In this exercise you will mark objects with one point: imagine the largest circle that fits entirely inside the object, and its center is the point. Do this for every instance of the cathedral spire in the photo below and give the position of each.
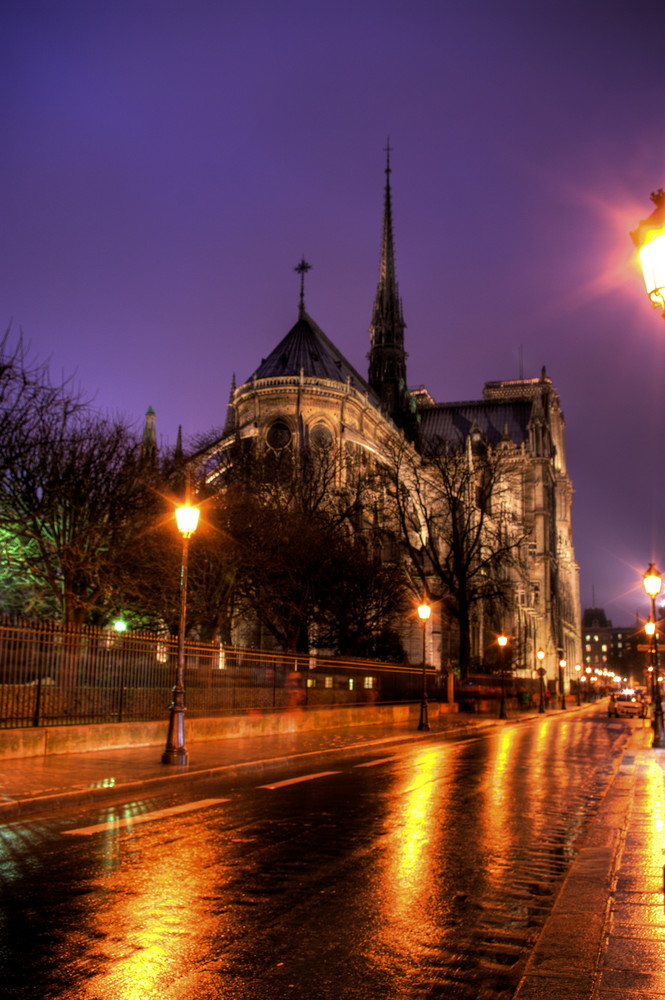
(148, 450)
(387, 358)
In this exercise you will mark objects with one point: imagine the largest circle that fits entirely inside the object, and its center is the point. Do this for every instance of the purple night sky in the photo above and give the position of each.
(166, 164)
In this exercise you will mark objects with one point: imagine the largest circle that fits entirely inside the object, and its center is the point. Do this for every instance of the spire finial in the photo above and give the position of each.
(302, 269)
(388, 151)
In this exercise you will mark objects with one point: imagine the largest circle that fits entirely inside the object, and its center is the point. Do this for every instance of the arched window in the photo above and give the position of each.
(278, 436)
(320, 436)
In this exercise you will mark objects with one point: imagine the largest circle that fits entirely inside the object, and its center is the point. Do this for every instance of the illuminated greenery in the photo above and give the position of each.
(71, 494)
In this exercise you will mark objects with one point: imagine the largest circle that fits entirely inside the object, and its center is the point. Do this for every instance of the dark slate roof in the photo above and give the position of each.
(306, 348)
(451, 423)
(595, 617)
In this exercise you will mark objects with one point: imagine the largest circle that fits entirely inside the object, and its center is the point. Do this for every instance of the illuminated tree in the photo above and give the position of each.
(72, 496)
(458, 521)
(72, 493)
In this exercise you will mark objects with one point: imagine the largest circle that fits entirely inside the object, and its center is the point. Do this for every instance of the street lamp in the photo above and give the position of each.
(187, 518)
(423, 613)
(652, 584)
(650, 629)
(577, 672)
(541, 674)
(562, 667)
(503, 642)
(649, 237)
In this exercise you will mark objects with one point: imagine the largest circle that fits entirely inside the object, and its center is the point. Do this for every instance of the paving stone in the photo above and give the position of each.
(637, 915)
(624, 954)
(558, 987)
(569, 943)
(632, 984)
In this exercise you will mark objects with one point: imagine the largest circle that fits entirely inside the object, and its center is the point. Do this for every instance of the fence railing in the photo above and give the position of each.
(52, 675)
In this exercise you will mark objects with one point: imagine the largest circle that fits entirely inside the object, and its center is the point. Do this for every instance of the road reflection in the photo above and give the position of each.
(416, 817)
(151, 917)
(408, 916)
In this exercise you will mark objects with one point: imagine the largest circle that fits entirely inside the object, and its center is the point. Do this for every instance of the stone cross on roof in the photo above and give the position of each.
(302, 269)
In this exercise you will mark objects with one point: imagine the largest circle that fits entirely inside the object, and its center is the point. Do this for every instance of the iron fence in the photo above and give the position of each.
(52, 675)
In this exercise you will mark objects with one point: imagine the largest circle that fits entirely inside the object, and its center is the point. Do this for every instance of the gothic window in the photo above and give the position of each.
(320, 436)
(278, 436)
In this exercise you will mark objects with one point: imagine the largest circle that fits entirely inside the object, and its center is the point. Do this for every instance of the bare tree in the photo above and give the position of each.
(458, 521)
(72, 494)
(297, 523)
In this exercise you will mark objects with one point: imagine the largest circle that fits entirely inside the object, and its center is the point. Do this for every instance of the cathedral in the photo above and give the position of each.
(306, 392)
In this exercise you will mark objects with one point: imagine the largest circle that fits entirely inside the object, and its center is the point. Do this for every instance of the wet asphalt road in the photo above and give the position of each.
(423, 871)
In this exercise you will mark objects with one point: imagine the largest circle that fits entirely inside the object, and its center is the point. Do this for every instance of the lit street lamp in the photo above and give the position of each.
(650, 629)
(541, 675)
(649, 237)
(423, 613)
(503, 642)
(187, 518)
(577, 672)
(652, 584)
(562, 667)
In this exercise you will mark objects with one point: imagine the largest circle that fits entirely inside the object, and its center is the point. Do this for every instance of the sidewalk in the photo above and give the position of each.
(605, 937)
(34, 785)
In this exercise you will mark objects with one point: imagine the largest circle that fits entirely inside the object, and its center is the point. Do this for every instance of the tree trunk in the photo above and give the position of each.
(464, 644)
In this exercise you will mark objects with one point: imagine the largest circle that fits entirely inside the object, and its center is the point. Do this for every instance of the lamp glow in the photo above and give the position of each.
(187, 518)
(652, 259)
(649, 237)
(653, 581)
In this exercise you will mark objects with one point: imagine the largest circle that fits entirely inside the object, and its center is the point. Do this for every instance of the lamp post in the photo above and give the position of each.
(187, 518)
(577, 674)
(562, 667)
(503, 642)
(541, 675)
(423, 613)
(649, 237)
(650, 629)
(652, 584)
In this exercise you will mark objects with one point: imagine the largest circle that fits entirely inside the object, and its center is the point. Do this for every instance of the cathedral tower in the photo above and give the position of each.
(387, 357)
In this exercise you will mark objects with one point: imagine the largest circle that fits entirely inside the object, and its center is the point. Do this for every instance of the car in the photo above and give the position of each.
(627, 704)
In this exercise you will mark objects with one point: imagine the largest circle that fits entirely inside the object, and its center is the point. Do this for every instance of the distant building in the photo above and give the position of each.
(610, 648)
(597, 635)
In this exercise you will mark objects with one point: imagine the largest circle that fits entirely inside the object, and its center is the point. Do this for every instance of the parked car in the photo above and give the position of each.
(627, 704)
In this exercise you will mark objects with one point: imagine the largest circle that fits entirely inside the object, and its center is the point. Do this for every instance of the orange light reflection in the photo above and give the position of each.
(154, 916)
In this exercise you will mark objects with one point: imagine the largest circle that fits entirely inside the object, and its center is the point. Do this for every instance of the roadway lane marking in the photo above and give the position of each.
(295, 781)
(115, 824)
(375, 763)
